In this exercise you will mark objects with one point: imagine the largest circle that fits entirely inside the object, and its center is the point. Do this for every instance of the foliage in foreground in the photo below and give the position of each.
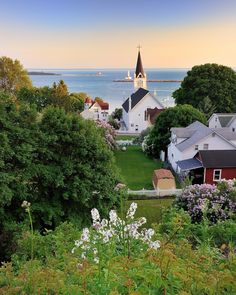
(174, 268)
(58, 162)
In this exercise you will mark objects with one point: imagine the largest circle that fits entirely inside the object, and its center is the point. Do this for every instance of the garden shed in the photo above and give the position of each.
(163, 179)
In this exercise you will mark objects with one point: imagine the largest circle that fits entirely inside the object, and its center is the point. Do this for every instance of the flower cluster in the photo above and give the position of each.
(109, 133)
(122, 236)
(26, 205)
(213, 201)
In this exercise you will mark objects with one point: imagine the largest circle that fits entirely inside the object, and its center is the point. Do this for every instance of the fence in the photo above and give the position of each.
(156, 193)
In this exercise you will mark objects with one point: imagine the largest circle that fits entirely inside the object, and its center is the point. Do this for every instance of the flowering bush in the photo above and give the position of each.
(216, 202)
(109, 238)
(109, 133)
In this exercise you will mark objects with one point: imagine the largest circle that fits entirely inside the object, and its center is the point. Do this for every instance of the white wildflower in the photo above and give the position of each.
(25, 204)
(154, 245)
(131, 211)
(113, 217)
(96, 260)
(104, 222)
(83, 255)
(85, 235)
(95, 216)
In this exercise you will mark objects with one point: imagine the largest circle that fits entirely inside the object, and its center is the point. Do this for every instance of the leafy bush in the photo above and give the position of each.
(216, 202)
(174, 268)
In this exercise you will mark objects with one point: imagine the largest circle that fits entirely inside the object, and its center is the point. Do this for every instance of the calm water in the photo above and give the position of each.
(113, 92)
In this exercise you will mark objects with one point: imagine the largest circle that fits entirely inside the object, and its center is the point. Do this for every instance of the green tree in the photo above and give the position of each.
(12, 75)
(59, 162)
(117, 114)
(77, 101)
(41, 97)
(216, 82)
(178, 116)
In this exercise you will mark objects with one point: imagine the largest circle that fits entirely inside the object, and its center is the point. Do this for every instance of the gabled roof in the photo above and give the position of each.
(135, 98)
(196, 132)
(139, 67)
(224, 118)
(103, 105)
(163, 173)
(218, 159)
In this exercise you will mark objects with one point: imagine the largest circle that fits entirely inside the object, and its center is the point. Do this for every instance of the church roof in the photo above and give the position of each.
(135, 98)
(139, 67)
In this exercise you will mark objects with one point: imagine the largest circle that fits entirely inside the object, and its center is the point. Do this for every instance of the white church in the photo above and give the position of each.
(140, 109)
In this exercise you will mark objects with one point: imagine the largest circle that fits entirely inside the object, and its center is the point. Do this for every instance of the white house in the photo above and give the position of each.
(221, 120)
(135, 110)
(186, 142)
(95, 110)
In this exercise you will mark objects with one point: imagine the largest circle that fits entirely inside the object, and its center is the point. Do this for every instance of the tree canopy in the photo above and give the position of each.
(178, 116)
(209, 88)
(58, 162)
(12, 75)
(57, 95)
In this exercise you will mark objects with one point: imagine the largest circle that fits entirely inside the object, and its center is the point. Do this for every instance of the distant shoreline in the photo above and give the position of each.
(42, 74)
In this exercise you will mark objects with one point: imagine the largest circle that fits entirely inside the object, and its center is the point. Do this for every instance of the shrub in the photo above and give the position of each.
(215, 202)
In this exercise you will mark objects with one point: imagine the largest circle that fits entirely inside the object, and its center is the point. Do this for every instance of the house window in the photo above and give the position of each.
(145, 115)
(233, 129)
(205, 146)
(196, 147)
(216, 119)
(217, 175)
(132, 125)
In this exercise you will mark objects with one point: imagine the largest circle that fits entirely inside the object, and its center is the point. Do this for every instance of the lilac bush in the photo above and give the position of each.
(216, 202)
(109, 133)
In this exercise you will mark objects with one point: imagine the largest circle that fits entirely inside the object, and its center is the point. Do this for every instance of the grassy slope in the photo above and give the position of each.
(151, 209)
(136, 167)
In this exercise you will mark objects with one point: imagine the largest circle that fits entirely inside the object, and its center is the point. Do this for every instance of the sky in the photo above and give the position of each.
(105, 33)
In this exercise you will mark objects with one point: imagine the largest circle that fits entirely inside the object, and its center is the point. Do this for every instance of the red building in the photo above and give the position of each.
(217, 165)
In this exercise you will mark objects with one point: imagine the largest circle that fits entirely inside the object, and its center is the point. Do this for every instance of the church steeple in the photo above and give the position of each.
(139, 72)
(140, 78)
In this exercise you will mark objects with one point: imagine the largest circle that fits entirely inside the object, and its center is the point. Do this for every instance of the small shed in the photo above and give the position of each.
(163, 179)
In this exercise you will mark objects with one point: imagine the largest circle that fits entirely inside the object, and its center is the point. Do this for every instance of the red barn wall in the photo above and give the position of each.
(227, 173)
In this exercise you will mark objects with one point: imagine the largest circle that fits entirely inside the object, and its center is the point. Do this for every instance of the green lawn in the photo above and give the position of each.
(136, 167)
(151, 209)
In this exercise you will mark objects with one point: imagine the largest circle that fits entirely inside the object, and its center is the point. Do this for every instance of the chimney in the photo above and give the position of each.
(129, 103)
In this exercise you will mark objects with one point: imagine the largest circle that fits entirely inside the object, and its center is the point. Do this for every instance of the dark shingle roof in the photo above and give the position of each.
(135, 98)
(189, 164)
(139, 67)
(218, 159)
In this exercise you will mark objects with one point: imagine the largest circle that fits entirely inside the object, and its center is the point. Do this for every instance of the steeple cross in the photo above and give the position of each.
(139, 47)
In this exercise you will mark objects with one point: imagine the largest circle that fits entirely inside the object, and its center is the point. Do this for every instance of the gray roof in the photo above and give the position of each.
(182, 132)
(226, 132)
(218, 158)
(189, 164)
(198, 131)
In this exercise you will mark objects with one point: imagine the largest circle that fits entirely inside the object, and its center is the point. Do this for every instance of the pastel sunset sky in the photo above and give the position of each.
(105, 33)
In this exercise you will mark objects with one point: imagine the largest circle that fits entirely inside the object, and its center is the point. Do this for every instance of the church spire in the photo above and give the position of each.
(140, 78)
(139, 72)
